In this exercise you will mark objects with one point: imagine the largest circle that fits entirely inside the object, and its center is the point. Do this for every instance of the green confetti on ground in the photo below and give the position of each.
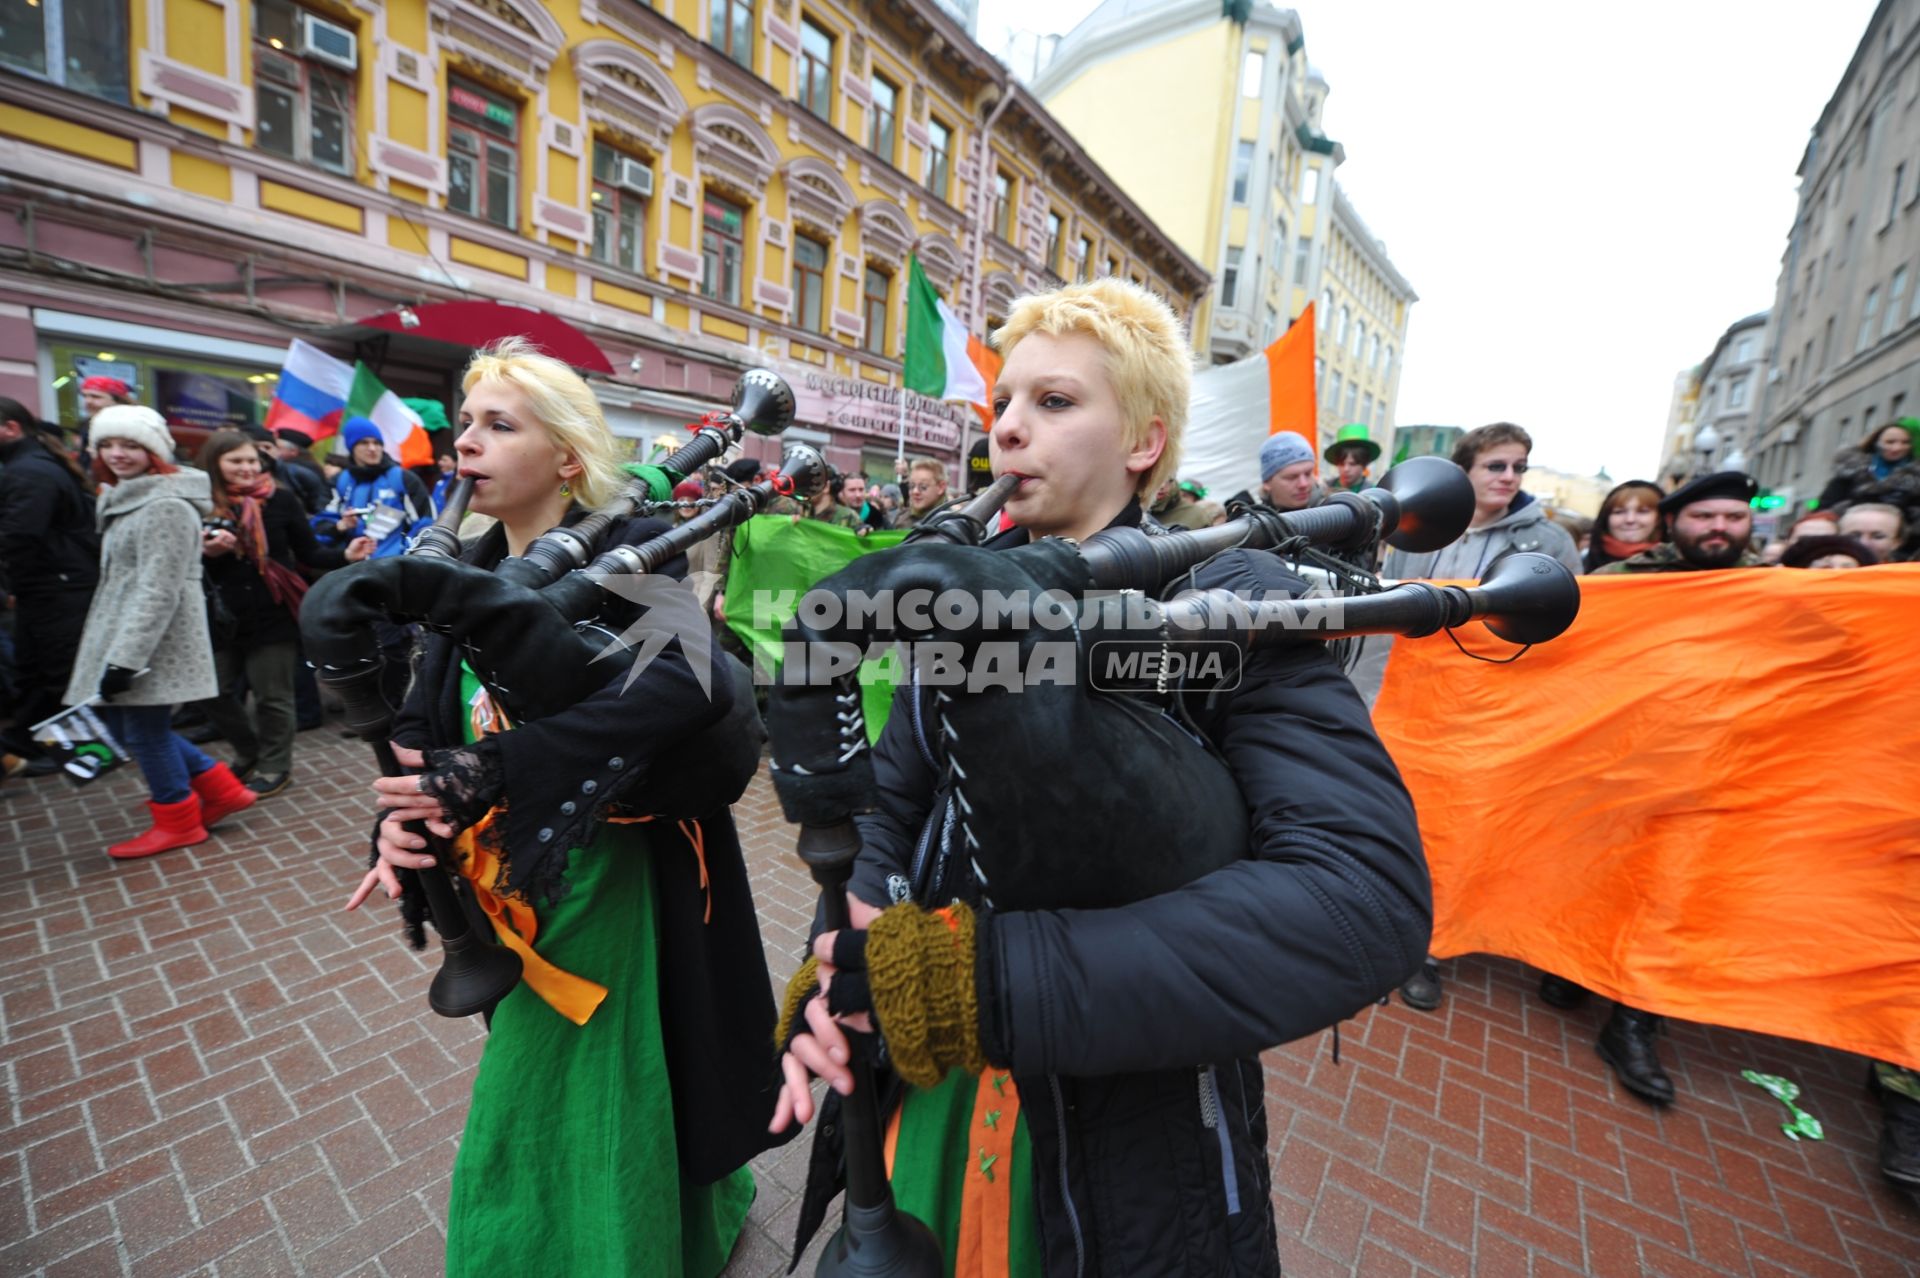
(1787, 1092)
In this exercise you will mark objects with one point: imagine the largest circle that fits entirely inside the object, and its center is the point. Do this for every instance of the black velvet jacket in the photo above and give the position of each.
(650, 748)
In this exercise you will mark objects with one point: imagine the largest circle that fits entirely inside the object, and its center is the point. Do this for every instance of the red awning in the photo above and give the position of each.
(474, 324)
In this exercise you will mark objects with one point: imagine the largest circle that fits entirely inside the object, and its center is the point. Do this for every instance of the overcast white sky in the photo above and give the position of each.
(1583, 196)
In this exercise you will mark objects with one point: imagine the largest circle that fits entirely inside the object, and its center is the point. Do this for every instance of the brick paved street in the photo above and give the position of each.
(210, 1068)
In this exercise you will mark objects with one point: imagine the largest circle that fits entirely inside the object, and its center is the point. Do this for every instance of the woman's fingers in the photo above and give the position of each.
(796, 1096)
(408, 758)
(381, 876)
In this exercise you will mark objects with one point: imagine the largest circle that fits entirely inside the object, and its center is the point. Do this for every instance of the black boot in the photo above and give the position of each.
(1899, 1135)
(1422, 990)
(1558, 991)
(1626, 1043)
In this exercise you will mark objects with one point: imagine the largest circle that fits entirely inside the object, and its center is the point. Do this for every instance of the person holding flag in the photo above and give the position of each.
(377, 494)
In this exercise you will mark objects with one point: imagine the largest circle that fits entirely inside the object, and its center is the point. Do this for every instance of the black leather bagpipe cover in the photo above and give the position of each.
(1075, 798)
(533, 660)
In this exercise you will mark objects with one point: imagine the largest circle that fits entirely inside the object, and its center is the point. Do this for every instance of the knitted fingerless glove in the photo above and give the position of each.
(800, 991)
(920, 972)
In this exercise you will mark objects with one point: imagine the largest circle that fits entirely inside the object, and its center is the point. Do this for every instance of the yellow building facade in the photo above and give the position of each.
(699, 186)
(1215, 126)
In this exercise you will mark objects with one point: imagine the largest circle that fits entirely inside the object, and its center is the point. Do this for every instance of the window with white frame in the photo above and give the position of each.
(483, 144)
(939, 148)
(810, 283)
(303, 86)
(1737, 393)
(723, 227)
(1743, 351)
(80, 44)
(1242, 170)
(874, 289)
(1302, 260)
(880, 117)
(1229, 277)
(1896, 293)
(1326, 307)
(620, 183)
(816, 68)
(1867, 317)
(1253, 73)
(730, 29)
(1309, 185)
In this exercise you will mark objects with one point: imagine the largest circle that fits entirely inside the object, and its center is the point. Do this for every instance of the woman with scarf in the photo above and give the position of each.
(145, 648)
(256, 536)
(628, 1078)
(1628, 523)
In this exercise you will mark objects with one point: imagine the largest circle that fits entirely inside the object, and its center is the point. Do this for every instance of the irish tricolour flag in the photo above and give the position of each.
(943, 360)
(317, 392)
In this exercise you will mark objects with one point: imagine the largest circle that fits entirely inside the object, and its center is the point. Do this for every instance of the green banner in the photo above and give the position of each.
(776, 560)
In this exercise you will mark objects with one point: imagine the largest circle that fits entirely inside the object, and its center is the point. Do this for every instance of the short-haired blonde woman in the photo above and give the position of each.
(145, 647)
(627, 1079)
(1086, 1093)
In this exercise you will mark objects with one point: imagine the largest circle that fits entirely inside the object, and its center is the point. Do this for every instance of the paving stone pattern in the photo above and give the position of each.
(209, 1068)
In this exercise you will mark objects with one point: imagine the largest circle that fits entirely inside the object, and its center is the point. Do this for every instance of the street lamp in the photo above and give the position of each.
(1705, 440)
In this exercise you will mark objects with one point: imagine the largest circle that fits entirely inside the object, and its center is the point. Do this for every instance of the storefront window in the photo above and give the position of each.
(196, 397)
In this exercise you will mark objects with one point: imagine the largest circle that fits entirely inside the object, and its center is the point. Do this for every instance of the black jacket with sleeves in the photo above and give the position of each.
(258, 617)
(627, 746)
(48, 543)
(1133, 1033)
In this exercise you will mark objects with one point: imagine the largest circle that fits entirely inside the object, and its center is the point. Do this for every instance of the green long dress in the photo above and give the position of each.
(568, 1164)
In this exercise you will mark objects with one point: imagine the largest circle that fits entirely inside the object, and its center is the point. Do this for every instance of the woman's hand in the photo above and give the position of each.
(359, 548)
(395, 845)
(218, 541)
(824, 1051)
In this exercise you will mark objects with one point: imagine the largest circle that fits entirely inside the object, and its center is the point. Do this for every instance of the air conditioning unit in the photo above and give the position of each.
(633, 175)
(329, 42)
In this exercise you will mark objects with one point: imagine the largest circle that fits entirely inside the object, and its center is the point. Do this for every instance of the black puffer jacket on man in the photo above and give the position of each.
(1133, 1033)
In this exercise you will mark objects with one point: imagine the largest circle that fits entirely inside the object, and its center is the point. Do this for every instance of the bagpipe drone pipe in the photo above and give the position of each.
(536, 656)
(1001, 732)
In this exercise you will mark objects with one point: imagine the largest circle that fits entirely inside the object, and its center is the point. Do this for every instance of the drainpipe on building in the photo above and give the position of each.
(978, 305)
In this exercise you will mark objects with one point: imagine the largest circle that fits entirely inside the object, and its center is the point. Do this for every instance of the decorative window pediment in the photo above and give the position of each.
(626, 91)
(730, 144)
(999, 290)
(816, 195)
(886, 232)
(518, 39)
(939, 258)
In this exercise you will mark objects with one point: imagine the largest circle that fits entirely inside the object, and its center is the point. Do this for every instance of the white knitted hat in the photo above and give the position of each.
(134, 422)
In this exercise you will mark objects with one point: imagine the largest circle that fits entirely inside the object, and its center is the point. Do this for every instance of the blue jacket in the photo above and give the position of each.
(393, 488)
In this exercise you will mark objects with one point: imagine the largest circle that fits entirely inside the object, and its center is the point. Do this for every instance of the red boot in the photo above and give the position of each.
(221, 794)
(175, 825)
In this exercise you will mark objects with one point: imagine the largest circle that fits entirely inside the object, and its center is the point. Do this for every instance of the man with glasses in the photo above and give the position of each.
(926, 492)
(1505, 521)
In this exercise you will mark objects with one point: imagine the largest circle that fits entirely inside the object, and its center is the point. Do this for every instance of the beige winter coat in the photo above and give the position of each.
(149, 612)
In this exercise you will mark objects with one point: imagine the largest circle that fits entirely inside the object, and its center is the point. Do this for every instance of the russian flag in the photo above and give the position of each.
(312, 395)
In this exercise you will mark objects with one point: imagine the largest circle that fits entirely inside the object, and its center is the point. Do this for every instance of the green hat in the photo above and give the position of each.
(433, 414)
(1352, 433)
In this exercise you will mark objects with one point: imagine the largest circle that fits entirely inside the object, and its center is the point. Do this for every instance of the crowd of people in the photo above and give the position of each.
(1865, 516)
(142, 585)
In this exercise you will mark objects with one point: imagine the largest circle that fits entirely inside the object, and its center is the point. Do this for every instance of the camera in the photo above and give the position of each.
(212, 525)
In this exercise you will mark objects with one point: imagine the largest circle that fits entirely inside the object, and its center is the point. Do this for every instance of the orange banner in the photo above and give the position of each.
(1290, 402)
(1702, 800)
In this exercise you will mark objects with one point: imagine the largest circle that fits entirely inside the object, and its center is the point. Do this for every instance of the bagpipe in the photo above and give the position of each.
(1006, 666)
(527, 628)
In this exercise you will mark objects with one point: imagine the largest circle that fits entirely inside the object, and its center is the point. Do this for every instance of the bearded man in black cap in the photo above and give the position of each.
(1710, 522)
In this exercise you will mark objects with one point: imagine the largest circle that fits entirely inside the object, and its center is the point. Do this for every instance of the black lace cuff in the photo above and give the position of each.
(467, 782)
